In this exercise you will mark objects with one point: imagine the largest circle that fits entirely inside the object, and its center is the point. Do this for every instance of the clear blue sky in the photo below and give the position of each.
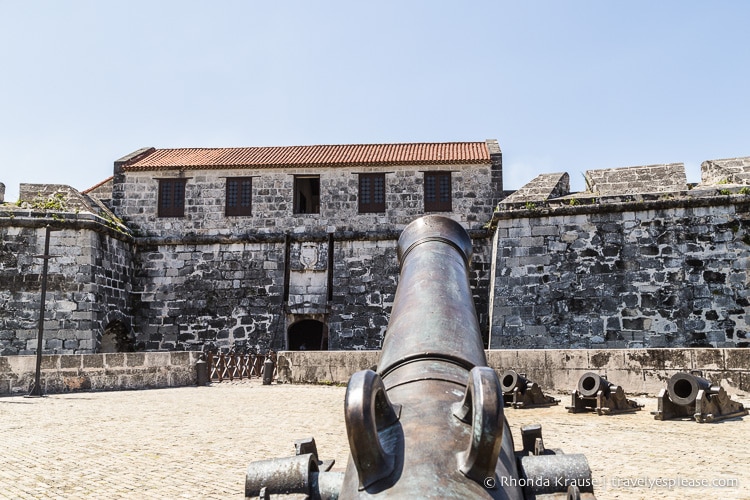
(565, 86)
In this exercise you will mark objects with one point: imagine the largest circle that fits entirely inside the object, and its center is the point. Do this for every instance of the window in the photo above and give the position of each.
(172, 197)
(239, 196)
(371, 193)
(306, 194)
(437, 192)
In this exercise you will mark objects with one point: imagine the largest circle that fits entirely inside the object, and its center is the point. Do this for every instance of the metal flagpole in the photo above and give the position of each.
(36, 389)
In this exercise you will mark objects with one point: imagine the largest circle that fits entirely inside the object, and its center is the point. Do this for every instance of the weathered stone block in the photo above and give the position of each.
(658, 359)
(179, 358)
(709, 359)
(737, 359)
(502, 359)
(114, 360)
(68, 362)
(135, 359)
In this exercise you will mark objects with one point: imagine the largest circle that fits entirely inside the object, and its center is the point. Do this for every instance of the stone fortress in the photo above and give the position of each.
(294, 248)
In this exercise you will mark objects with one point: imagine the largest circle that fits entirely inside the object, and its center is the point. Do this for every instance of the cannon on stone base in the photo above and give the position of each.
(595, 393)
(520, 392)
(691, 395)
(430, 422)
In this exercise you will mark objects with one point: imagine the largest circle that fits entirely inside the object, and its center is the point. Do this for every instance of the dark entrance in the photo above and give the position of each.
(116, 338)
(308, 335)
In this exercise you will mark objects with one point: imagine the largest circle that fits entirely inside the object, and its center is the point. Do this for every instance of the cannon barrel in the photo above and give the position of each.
(512, 380)
(433, 315)
(430, 422)
(433, 388)
(590, 383)
(683, 387)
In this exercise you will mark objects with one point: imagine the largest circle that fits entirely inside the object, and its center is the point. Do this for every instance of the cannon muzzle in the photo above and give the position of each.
(512, 380)
(683, 388)
(590, 384)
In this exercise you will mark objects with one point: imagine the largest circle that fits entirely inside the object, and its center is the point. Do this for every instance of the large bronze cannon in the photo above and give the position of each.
(429, 423)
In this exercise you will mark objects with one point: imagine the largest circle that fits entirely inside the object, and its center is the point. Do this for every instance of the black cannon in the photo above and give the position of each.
(595, 393)
(429, 423)
(691, 395)
(520, 392)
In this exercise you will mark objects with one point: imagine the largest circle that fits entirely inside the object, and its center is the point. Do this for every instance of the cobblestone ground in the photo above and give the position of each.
(197, 442)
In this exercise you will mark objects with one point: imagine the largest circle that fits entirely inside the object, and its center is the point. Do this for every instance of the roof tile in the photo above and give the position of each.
(327, 155)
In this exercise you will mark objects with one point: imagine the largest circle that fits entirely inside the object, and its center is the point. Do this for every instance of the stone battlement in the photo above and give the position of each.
(649, 182)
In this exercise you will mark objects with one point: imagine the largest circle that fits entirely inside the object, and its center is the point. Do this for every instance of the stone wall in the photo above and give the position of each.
(88, 283)
(727, 171)
(641, 259)
(638, 371)
(365, 276)
(480, 280)
(108, 291)
(245, 294)
(135, 200)
(629, 276)
(632, 269)
(98, 372)
(221, 294)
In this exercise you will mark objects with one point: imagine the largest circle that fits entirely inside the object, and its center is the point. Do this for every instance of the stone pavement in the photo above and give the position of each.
(196, 442)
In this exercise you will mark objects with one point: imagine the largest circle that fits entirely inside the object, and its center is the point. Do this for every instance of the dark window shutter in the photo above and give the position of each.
(371, 193)
(437, 192)
(239, 199)
(171, 198)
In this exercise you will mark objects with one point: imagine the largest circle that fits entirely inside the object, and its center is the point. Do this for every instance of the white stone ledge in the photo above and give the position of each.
(638, 371)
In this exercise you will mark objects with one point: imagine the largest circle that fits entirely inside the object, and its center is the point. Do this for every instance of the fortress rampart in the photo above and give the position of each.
(640, 259)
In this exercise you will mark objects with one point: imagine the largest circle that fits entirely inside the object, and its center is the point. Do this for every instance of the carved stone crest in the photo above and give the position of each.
(308, 255)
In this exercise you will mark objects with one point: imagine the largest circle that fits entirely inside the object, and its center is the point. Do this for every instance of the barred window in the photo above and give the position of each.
(437, 192)
(371, 193)
(171, 197)
(239, 199)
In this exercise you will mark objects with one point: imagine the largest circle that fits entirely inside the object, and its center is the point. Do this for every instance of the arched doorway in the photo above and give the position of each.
(116, 338)
(307, 335)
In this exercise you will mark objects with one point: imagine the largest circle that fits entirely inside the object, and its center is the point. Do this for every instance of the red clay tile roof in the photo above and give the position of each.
(329, 156)
(108, 179)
